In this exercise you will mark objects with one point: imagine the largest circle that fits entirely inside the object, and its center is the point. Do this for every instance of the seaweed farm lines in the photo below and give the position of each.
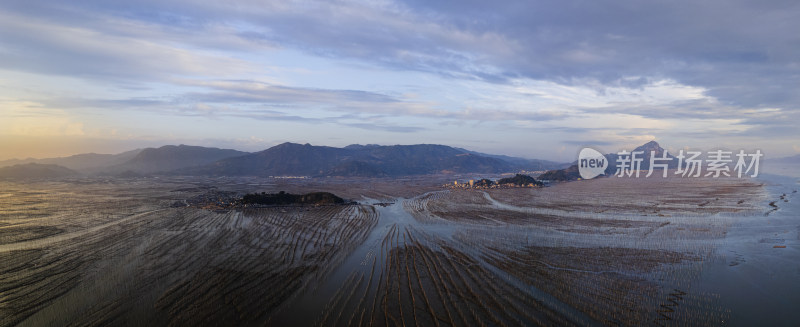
(165, 266)
(640, 252)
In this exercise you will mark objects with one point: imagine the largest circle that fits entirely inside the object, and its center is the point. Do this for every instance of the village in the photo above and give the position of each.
(518, 181)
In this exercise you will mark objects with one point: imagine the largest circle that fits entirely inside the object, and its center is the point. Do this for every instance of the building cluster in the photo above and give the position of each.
(483, 184)
(470, 184)
(213, 200)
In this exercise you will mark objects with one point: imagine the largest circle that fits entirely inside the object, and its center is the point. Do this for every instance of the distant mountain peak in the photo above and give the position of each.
(652, 145)
(359, 146)
(649, 151)
(171, 157)
(288, 145)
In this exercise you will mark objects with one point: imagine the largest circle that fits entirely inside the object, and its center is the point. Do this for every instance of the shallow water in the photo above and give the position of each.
(758, 283)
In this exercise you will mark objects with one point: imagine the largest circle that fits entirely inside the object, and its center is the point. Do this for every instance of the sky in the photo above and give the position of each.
(534, 79)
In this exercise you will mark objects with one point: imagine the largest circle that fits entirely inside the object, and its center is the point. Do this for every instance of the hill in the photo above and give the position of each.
(522, 163)
(650, 148)
(171, 157)
(519, 180)
(86, 162)
(35, 170)
(567, 174)
(283, 198)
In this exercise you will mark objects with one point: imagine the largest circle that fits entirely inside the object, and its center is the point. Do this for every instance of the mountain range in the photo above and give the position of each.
(362, 160)
(291, 159)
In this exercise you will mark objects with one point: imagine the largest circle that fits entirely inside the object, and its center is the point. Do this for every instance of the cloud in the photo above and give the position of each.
(259, 92)
(263, 100)
(387, 128)
(586, 142)
(740, 58)
(39, 45)
(34, 119)
(714, 68)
